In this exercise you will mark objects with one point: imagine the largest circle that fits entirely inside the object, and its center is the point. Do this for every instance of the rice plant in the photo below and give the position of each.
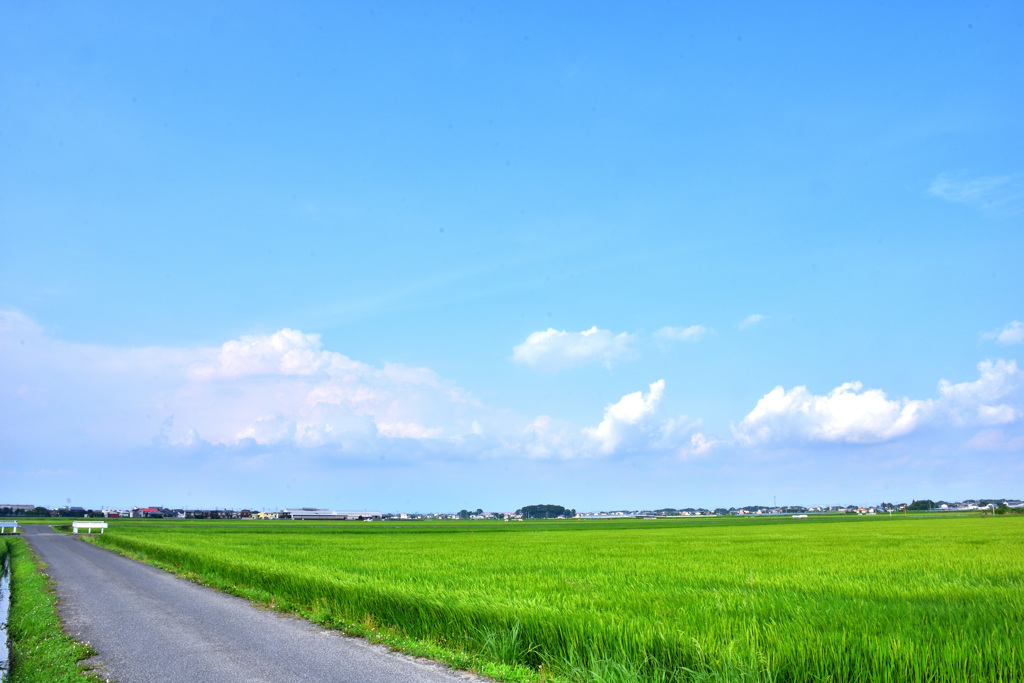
(831, 599)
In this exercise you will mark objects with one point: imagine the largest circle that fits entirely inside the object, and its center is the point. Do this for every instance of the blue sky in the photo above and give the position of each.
(486, 255)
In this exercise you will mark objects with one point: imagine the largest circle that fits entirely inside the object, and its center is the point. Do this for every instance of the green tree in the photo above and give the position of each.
(545, 511)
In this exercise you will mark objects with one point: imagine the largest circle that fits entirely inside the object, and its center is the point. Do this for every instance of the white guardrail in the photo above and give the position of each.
(75, 526)
(4, 526)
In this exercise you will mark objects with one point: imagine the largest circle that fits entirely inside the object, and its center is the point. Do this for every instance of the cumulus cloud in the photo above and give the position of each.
(691, 333)
(978, 402)
(269, 429)
(554, 349)
(850, 414)
(286, 388)
(407, 430)
(626, 417)
(280, 389)
(287, 352)
(846, 414)
(1013, 333)
(1001, 194)
(284, 392)
(752, 320)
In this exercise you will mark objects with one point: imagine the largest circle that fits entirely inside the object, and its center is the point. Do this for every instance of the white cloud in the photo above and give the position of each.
(269, 429)
(849, 414)
(1013, 333)
(546, 437)
(626, 417)
(316, 397)
(554, 349)
(974, 403)
(845, 415)
(285, 392)
(630, 424)
(673, 431)
(691, 333)
(1002, 194)
(287, 352)
(276, 389)
(407, 430)
(752, 320)
(699, 445)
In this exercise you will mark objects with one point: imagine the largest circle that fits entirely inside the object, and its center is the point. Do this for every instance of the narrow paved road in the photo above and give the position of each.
(148, 625)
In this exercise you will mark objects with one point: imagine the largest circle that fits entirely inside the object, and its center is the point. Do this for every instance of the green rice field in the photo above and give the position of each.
(820, 599)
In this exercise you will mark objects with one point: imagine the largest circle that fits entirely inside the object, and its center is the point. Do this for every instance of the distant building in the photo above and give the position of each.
(17, 507)
(324, 514)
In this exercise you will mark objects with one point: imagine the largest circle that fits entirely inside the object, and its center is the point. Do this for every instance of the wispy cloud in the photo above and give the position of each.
(1001, 194)
(554, 349)
(700, 445)
(752, 320)
(995, 440)
(692, 333)
(1013, 333)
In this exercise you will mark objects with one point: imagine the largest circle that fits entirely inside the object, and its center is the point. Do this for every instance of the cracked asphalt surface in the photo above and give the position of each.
(147, 625)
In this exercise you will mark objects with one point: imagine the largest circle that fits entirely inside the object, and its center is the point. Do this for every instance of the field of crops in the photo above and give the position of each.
(831, 599)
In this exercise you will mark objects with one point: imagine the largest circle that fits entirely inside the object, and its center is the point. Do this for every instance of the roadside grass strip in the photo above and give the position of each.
(40, 652)
(761, 601)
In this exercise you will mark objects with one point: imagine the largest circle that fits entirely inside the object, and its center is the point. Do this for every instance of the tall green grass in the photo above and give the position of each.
(899, 599)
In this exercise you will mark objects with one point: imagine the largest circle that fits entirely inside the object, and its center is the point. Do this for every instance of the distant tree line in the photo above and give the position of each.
(545, 512)
(35, 512)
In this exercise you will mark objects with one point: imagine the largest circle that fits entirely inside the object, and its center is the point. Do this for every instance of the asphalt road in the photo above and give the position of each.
(148, 626)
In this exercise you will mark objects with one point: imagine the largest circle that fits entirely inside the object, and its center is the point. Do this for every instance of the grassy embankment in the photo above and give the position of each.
(831, 599)
(39, 650)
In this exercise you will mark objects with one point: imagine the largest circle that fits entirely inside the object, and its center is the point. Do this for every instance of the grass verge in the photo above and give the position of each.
(40, 652)
(807, 601)
(492, 651)
(368, 629)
